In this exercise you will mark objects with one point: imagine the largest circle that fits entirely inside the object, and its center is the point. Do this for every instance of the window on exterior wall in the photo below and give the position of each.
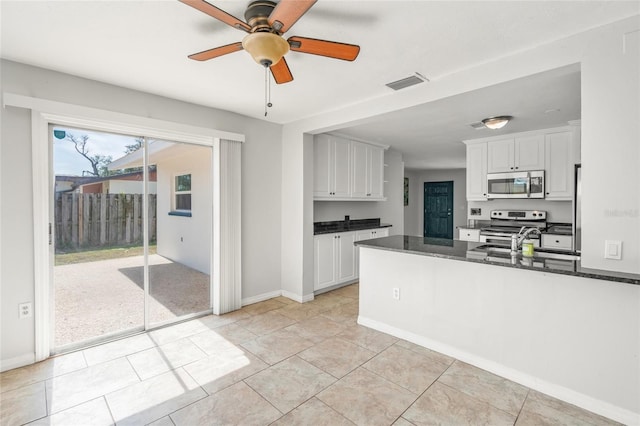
(182, 195)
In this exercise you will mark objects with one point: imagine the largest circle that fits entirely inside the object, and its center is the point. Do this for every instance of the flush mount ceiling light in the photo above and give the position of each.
(498, 122)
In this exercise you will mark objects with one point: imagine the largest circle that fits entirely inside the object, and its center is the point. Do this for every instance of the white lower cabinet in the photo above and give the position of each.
(334, 259)
(372, 233)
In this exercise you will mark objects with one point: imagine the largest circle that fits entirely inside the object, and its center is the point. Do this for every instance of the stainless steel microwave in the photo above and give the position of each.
(516, 184)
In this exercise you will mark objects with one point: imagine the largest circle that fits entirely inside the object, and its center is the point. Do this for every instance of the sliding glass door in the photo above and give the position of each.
(131, 234)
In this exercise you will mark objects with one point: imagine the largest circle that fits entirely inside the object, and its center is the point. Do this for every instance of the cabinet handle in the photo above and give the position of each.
(558, 241)
(516, 168)
(511, 168)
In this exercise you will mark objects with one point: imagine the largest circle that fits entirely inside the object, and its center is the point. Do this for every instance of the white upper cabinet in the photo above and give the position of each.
(367, 171)
(558, 170)
(332, 161)
(376, 189)
(500, 155)
(360, 170)
(347, 170)
(529, 153)
(477, 171)
(516, 154)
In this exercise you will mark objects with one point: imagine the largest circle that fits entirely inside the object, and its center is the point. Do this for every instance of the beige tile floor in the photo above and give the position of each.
(276, 362)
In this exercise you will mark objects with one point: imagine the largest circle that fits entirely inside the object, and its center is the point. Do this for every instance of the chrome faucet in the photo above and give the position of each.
(517, 239)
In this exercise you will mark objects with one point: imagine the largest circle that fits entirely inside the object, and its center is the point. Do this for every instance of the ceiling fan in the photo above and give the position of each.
(266, 21)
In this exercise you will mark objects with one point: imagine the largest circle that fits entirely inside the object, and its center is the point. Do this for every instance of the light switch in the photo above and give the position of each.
(613, 249)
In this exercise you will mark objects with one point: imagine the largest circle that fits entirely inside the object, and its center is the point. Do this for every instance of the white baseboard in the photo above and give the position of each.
(266, 296)
(261, 297)
(297, 297)
(18, 361)
(565, 394)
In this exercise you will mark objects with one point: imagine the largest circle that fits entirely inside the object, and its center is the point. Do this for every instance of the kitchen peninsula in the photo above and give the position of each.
(570, 332)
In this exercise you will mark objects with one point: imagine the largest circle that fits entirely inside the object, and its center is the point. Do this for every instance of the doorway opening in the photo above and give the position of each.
(131, 235)
(438, 210)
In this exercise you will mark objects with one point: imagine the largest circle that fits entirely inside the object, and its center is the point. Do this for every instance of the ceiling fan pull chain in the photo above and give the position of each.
(267, 90)
(266, 85)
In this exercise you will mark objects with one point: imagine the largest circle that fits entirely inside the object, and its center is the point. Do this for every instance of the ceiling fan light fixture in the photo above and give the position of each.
(265, 48)
(498, 122)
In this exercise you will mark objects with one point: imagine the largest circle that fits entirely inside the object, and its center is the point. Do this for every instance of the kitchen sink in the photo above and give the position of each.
(537, 254)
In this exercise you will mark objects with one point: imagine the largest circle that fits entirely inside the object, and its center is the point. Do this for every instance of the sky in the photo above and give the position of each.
(66, 161)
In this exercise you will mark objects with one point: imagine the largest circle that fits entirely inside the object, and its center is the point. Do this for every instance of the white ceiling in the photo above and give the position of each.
(143, 45)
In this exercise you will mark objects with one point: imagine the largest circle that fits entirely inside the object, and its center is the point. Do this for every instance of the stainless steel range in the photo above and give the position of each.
(505, 223)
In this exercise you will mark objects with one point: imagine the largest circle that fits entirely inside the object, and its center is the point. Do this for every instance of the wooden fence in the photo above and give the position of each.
(95, 220)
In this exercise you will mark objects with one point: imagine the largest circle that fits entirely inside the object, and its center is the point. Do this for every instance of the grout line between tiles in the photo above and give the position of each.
(425, 391)
(113, 419)
(522, 406)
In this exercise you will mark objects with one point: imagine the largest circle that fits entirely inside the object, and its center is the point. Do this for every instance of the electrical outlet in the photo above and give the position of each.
(25, 310)
(396, 293)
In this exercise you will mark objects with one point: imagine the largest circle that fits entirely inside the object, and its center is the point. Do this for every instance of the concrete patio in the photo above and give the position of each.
(103, 297)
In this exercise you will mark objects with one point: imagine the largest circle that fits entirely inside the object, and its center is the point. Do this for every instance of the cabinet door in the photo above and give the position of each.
(322, 166)
(363, 235)
(529, 153)
(324, 260)
(359, 187)
(382, 232)
(341, 158)
(559, 167)
(376, 172)
(346, 257)
(500, 156)
(477, 172)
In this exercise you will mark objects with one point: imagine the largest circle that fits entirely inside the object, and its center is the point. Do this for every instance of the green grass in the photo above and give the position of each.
(101, 254)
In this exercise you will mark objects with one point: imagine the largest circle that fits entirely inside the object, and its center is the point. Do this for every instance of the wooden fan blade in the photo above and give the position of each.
(331, 49)
(281, 72)
(219, 14)
(287, 12)
(215, 52)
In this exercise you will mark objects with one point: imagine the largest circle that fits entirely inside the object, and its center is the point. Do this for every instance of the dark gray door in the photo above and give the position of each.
(438, 209)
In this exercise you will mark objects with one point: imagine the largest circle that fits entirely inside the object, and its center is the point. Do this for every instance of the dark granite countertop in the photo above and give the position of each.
(347, 226)
(464, 251)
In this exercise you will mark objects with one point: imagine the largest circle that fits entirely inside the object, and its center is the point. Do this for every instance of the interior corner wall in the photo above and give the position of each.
(293, 207)
(261, 184)
(610, 146)
(417, 179)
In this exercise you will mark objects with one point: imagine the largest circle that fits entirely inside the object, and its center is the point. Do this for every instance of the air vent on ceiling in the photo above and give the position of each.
(417, 78)
(477, 125)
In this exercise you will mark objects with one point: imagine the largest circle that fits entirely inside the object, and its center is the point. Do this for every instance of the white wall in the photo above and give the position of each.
(186, 240)
(389, 211)
(413, 213)
(16, 263)
(261, 184)
(611, 146)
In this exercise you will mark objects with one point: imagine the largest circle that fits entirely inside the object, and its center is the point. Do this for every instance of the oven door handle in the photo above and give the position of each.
(528, 185)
